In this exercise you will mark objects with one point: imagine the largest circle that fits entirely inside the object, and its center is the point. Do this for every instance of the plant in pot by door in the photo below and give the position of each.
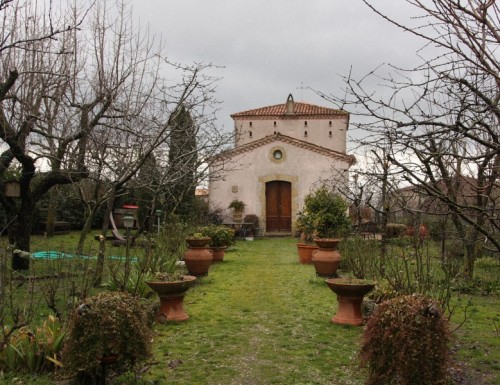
(238, 207)
(109, 328)
(221, 237)
(198, 257)
(350, 293)
(306, 246)
(327, 213)
(168, 278)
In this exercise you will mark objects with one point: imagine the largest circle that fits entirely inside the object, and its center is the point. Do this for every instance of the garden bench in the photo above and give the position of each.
(367, 230)
(60, 227)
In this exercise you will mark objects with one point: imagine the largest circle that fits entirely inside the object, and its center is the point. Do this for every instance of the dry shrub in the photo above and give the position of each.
(406, 343)
(108, 324)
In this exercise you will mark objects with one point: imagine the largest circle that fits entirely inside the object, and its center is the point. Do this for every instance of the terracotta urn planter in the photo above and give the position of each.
(305, 252)
(198, 258)
(326, 259)
(172, 298)
(198, 242)
(218, 253)
(350, 293)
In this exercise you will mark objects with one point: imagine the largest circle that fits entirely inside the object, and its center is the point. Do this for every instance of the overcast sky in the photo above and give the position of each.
(270, 48)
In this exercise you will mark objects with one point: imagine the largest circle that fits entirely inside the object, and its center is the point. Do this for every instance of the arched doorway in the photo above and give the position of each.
(278, 206)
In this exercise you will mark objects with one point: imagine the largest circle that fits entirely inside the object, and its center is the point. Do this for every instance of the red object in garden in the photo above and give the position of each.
(305, 252)
(218, 253)
(172, 298)
(198, 257)
(130, 207)
(350, 295)
(326, 259)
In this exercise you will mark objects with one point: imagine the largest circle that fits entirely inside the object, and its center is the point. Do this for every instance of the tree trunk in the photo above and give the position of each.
(51, 215)
(87, 227)
(102, 244)
(23, 235)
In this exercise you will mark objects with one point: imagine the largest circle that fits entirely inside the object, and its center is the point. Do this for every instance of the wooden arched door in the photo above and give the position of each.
(278, 206)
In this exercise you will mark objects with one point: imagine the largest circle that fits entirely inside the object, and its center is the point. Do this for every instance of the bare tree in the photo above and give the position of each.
(442, 116)
(34, 57)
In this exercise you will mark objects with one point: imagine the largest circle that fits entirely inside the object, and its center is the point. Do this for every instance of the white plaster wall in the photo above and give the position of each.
(318, 130)
(304, 167)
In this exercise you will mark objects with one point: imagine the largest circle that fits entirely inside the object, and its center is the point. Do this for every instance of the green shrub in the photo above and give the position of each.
(220, 235)
(359, 257)
(324, 214)
(108, 324)
(406, 343)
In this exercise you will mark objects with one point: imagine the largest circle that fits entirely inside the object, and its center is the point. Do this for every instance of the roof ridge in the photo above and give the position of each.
(300, 109)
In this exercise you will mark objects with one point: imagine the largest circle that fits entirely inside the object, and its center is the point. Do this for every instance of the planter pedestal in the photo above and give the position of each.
(349, 298)
(172, 298)
(326, 259)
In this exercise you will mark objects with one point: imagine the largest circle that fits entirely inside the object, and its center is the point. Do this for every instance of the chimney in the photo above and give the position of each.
(290, 106)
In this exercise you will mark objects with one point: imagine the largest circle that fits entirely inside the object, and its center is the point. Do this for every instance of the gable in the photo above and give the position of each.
(279, 138)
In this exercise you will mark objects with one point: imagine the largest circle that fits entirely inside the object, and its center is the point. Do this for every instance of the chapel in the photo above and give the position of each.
(281, 153)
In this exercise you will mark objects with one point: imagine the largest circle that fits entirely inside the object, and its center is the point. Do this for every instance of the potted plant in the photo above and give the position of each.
(350, 293)
(167, 277)
(306, 246)
(220, 238)
(198, 257)
(238, 207)
(197, 240)
(111, 327)
(326, 214)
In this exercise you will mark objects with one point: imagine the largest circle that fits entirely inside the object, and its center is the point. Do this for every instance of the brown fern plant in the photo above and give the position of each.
(110, 324)
(406, 343)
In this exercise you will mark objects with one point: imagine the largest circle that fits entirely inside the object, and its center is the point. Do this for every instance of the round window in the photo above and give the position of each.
(277, 154)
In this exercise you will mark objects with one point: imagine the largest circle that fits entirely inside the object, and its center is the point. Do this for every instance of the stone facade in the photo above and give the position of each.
(296, 144)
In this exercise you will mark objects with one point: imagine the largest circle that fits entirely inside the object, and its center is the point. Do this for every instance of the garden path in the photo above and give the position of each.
(259, 317)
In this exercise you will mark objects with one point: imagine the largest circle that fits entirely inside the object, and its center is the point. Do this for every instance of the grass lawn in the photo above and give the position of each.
(260, 317)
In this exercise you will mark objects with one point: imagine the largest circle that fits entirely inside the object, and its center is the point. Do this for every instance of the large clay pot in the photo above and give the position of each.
(350, 295)
(305, 252)
(326, 259)
(172, 298)
(218, 253)
(198, 260)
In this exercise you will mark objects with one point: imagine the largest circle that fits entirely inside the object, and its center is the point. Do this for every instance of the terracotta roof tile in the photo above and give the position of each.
(301, 109)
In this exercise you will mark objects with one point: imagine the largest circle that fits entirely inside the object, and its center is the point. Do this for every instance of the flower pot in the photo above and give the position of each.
(305, 252)
(350, 295)
(197, 242)
(172, 298)
(326, 259)
(198, 260)
(218, 253)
